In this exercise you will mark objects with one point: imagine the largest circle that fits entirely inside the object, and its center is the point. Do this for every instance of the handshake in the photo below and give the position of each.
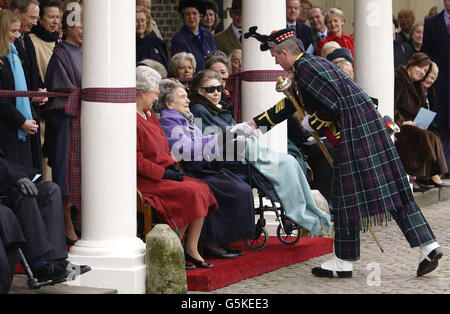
(243, 129)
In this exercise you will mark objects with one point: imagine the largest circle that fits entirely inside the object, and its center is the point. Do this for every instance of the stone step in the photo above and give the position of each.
(19, 286)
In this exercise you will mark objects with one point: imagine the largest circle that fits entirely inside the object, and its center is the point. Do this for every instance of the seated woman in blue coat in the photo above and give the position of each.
(234, 221)
(192, 37)
(282, 170)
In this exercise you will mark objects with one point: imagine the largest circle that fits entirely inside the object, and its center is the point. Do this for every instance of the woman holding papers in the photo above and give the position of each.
(420, 150)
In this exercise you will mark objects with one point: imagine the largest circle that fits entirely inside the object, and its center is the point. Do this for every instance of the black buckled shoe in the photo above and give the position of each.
(210, 253)
(324, 273)
(430, 262)
(197, 263)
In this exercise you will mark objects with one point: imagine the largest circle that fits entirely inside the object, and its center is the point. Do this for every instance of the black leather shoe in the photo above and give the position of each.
(430, 262)
(197, 263)
(233, 251)
(209, 253)
(420, 189)
(189, 266)
(324, 273)
(55, 272)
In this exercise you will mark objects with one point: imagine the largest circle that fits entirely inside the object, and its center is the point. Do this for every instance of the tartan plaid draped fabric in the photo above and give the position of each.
(370, 180)
(233, 84)
(73, 105)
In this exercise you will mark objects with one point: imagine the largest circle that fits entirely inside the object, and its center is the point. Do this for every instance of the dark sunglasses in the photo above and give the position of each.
(211, 89)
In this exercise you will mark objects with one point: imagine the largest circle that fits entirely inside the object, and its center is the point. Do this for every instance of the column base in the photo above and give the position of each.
(116, 264)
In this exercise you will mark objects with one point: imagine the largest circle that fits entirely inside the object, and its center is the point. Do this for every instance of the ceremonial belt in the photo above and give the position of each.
(72, 109)
(233, 84)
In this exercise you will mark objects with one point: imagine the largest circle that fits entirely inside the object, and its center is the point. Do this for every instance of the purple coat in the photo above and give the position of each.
(186, 139)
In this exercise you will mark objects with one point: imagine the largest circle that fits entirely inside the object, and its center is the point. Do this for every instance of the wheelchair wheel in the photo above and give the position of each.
(290, 234)
(259, 241)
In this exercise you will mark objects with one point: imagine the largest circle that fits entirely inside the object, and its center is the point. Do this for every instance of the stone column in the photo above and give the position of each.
(108, 138)
(268, 15)
(374, 56)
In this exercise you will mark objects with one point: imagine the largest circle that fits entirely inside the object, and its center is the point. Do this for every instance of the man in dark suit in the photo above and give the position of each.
(319, 30)
(37, 206)
(28, 13)
(11, 238)
(436, 44)
(302, 31)
(406, 20)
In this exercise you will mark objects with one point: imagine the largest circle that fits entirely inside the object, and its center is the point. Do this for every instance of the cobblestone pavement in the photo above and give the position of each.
(396, 266)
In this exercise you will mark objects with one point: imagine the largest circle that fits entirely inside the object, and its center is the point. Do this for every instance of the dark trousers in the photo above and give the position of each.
(42, 221)
(11, 238)
(414, 226)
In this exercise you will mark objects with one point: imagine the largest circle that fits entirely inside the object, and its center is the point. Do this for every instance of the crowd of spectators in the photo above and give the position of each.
(40, 51)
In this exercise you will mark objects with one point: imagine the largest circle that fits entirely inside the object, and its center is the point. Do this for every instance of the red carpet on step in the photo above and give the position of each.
(254, 263)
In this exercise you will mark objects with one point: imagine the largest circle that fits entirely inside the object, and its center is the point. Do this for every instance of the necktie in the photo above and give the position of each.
(448, 25)
(22, 41)
(240, 35)
(322, 37)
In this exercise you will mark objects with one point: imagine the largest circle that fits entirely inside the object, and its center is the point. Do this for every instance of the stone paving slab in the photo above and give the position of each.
(396, 267)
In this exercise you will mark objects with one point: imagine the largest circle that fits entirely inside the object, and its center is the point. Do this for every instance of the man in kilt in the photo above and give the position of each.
(370, 185)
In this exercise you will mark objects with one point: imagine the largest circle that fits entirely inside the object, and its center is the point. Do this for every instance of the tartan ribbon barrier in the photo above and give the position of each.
(72, 109)
(233, 84)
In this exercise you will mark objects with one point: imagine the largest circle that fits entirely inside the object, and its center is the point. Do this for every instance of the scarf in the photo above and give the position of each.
(43, 34)
(199, 99)
(20, 84)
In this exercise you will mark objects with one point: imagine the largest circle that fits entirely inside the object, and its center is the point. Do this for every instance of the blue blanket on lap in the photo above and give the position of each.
(291, 186)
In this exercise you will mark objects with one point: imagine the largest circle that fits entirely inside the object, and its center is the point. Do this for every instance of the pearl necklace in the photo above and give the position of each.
(142, 115)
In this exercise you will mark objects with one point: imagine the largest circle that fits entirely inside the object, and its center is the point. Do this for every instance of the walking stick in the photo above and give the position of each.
(284, 86)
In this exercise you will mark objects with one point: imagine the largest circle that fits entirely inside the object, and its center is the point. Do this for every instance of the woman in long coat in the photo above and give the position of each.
(63, 128)
(418, 148)
(234, 221)
(182, 202)
(17, 115)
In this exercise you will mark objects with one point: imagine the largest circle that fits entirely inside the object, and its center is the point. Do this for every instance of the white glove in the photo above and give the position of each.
(243, 129)
(306, 125)
(240, 146)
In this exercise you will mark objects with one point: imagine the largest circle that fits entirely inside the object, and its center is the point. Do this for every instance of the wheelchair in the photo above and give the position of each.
(288, 232)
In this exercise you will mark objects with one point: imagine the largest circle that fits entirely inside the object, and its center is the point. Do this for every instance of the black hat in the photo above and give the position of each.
(198, 4)
(340, 53)
(236, 5)
(277, 37)
(211, 5)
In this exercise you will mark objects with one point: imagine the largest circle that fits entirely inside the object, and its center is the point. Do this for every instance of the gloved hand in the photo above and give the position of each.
(306, 125)
(173, 175)
(27, 187)
(243, 129)
(175, 168)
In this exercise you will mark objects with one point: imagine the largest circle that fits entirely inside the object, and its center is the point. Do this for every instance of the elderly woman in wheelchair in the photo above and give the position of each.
(234, 221)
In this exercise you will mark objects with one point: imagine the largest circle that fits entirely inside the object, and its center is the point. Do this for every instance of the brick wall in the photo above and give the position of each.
(165, 13)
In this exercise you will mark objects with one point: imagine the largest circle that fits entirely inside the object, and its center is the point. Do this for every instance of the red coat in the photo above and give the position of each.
(345, 41)
(182, 202)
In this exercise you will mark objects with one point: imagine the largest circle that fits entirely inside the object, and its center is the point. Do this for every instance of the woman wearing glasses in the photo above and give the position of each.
(282, 170)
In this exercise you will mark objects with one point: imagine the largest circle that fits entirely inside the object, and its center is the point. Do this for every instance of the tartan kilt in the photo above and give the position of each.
(370, 179)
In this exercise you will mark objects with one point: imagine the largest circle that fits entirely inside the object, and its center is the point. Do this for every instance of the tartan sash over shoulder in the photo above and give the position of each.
(370, 180)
